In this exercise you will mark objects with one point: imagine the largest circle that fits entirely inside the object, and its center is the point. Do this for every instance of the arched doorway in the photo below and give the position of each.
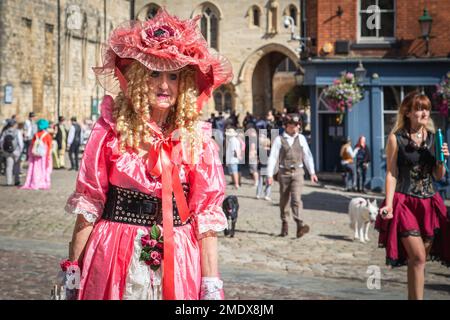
(256, 77)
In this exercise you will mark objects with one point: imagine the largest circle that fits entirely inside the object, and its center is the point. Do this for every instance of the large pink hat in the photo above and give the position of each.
(164, 43)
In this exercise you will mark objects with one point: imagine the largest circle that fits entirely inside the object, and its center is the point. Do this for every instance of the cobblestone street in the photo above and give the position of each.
(255, 264)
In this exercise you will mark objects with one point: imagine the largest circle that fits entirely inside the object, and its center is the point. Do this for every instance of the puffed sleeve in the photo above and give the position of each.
(207, 188)
(92, 182)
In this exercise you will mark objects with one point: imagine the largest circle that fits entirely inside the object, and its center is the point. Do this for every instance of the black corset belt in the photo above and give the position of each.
(137, 208)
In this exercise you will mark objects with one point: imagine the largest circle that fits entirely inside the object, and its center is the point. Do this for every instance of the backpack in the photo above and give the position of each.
(9, 141)
(39, 148)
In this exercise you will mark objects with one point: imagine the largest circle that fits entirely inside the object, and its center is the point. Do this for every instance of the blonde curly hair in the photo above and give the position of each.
(131, 118)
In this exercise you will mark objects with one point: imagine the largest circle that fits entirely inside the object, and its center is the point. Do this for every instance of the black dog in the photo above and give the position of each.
(231, 208)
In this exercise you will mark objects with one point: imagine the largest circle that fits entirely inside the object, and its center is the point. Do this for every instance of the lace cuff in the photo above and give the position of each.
(212, 219)
(211, 289)
(79, 203)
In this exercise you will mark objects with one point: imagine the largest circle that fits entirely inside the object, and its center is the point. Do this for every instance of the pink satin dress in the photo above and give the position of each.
(111, 268)
(39, 168)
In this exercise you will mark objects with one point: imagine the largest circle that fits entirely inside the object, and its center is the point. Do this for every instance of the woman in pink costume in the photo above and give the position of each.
(40, 166)
(150, 175)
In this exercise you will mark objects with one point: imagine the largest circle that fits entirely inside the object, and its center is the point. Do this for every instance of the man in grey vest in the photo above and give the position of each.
(291, 151)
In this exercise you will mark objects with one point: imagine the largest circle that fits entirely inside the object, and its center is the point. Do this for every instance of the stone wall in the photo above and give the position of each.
(29, 54)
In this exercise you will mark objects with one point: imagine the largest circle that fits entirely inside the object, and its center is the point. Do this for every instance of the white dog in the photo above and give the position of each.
(362, 212)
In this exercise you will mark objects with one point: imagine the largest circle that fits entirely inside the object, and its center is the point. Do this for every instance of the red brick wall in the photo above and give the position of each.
(326, 26)
(331, 27)
(311, 23)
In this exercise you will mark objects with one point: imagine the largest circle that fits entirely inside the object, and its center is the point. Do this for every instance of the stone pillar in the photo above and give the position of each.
(376, 114)
(314, 128)
(38, 92)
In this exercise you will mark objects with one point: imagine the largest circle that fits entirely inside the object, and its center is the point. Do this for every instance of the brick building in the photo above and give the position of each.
(394, 55)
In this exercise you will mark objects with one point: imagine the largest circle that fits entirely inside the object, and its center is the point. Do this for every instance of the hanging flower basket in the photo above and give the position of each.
(442, 95)
(343, 94)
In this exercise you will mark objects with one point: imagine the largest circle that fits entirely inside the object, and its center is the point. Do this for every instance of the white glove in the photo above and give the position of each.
(211, 288)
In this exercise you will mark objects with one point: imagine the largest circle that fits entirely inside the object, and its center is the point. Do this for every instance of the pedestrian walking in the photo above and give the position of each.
(40, 159)
(54, 153)
(292, 152)
(11, 144)
(263, 190)
(61, 140)
(347, 155)
(233, 155)
(253, 154)
(413, 223)
(137, 235)
(29, 130)
(362, 163)
(74, 142)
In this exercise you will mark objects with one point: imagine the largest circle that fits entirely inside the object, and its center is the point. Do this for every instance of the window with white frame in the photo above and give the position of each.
(376, 20)
(392, 98)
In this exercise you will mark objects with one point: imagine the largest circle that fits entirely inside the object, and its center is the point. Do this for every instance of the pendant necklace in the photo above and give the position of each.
(418, 134)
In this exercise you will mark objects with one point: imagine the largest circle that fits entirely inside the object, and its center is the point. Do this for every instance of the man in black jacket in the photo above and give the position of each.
(362, 163)
(74, 142)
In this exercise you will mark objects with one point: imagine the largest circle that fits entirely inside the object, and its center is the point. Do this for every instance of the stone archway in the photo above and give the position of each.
(256, 77)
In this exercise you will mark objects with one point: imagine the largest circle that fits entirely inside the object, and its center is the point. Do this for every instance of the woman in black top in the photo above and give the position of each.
(413, 219)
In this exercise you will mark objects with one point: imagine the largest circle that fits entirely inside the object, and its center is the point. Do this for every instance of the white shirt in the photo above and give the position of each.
(71, 135)
(29, 129)
(308, 159)
(233, 145)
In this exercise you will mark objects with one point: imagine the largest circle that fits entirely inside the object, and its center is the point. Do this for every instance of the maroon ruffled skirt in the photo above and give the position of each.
(415, 217)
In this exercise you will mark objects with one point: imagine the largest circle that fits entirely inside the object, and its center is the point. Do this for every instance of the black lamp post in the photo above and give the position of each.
(426, 22)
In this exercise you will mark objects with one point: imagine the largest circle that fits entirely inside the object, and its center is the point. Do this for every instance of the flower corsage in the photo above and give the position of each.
(66, 264)
(152, 248)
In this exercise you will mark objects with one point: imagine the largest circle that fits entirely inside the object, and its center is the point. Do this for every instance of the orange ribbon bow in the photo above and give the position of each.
(160, 164)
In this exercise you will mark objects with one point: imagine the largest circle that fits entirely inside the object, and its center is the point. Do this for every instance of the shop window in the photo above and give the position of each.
(392, 97)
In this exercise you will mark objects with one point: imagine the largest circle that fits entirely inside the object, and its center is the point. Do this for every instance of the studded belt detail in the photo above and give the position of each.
(137, 208)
